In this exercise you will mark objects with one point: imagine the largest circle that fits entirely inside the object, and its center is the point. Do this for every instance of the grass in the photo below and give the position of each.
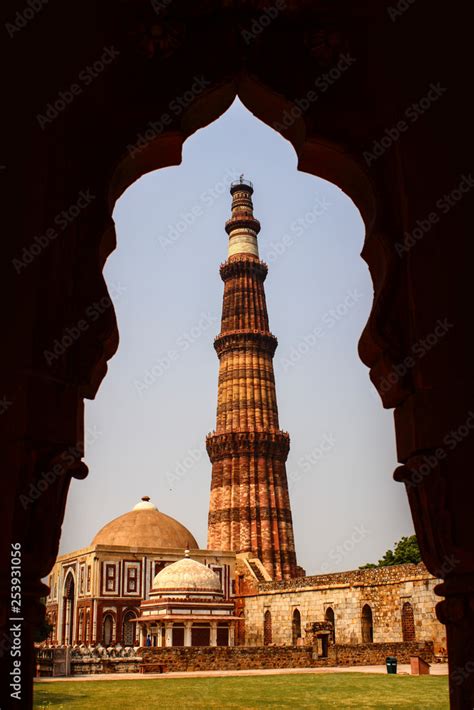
(331, 690)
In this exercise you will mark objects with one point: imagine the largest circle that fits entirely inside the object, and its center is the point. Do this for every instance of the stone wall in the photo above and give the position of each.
(369, 654)
(246, 658)
(385, 590)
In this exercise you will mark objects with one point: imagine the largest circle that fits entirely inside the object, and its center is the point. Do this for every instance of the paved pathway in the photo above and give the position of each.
(403, 669)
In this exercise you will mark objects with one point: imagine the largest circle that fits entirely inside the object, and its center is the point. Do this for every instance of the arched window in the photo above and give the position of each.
(408, 622)
(267, 628)
(296, 626)
(367, 625)
(80, 626)
(107, 626)
(128, 635)
(87, 637)
(329, 616)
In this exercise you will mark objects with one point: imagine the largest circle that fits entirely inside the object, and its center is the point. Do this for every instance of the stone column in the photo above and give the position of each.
(213, 641)
(169, 633)
(188, 633)
(159, 636)
(143, 634)
(231, 634)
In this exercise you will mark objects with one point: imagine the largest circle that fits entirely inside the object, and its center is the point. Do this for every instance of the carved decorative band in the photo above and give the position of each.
(245, 340)
(270, 444)
(241, 265)
(249, 222)
(233, 515)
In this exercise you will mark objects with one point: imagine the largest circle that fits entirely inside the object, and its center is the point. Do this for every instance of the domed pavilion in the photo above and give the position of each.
(187, 607)
(96, 592)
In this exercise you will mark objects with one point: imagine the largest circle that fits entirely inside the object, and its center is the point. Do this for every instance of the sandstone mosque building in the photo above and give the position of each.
(144, 580)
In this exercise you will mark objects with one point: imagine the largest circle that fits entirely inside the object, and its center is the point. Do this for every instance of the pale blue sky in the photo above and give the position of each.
(147, 426)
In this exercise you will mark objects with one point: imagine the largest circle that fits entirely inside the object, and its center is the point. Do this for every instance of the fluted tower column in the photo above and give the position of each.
(249, 504)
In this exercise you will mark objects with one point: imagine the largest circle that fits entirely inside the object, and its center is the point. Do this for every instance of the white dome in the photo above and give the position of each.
(187, 575)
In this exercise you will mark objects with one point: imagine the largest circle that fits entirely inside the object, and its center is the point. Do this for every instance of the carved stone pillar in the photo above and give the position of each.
(213, 641)
(188, 633)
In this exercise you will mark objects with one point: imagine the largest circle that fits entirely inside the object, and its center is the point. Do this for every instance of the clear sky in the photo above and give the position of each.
(147, 426)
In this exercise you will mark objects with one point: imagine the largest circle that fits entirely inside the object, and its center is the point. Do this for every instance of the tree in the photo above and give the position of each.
(44, 628)
(405, 551)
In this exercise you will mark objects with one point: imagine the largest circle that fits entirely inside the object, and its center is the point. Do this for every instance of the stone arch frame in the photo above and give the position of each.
(108, 627)
(295, 626)
(367, 624)
(408, 622)
(127, 615)
(440, 515)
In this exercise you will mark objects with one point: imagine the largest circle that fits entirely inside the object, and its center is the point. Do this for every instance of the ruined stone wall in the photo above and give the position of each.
(384, 589)
(246, 658)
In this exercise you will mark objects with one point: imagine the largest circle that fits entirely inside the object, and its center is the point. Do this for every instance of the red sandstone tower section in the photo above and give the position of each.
(249, 505)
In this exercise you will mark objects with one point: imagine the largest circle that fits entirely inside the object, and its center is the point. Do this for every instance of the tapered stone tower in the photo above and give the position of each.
(249, 505)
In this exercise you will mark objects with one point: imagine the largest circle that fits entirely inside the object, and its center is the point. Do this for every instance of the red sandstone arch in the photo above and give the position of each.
(295, 626)
(86, 146)
(367, 624)
(408, 622)
(267, 628)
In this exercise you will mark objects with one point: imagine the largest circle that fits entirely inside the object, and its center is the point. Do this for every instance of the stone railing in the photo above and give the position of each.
(86, 660)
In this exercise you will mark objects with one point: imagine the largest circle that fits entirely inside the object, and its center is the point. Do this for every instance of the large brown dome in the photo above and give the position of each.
(145, 526)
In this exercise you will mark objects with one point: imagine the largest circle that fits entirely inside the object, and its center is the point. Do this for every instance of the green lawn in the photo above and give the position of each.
(331, 690)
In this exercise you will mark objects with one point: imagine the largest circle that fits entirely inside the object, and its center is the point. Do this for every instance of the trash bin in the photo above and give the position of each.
(391, 663)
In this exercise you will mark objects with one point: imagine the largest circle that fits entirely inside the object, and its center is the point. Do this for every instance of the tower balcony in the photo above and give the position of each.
(241, 184)
(241, 221)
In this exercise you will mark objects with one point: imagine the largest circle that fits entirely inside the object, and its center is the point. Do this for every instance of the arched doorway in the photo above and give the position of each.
(107, 629)
(267, 628)
(367, 624)
(128, 630)
(408, 623)
(329, 616)
(68, 609)
(296, 626)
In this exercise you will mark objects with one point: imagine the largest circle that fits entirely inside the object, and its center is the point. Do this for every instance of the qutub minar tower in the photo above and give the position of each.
(249, 504)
